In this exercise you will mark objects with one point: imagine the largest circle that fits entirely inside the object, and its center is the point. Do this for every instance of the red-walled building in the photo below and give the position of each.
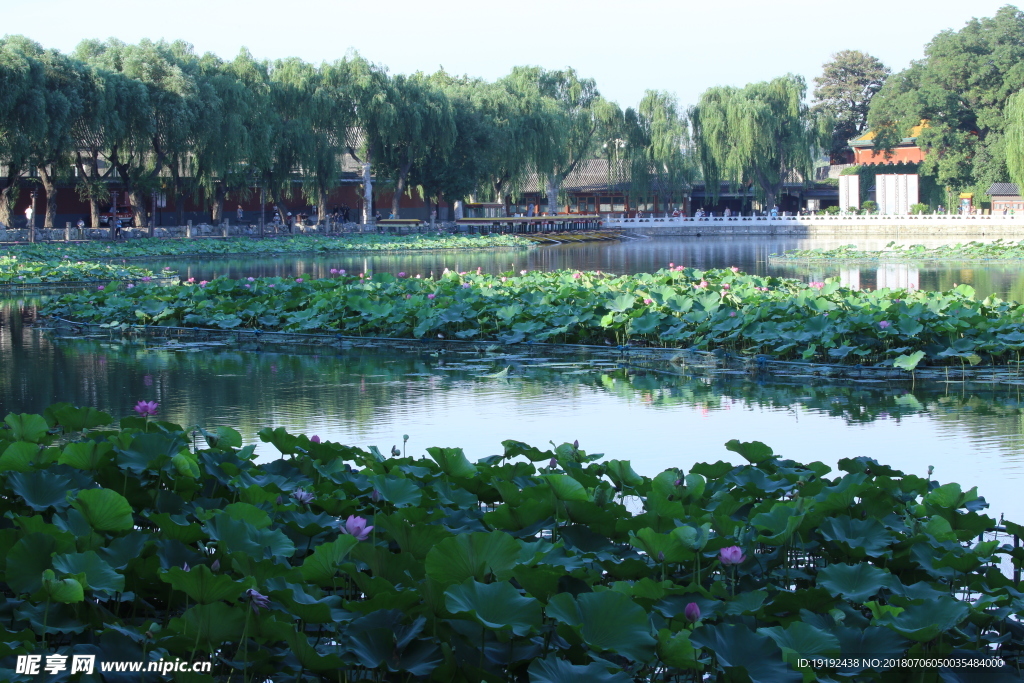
(865, 154)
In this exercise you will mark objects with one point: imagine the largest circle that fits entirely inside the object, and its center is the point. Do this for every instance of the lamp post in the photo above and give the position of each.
(32, 219)
(263, 209)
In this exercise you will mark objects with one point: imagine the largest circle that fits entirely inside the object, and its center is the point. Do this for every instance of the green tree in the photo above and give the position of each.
(960, 89)
(656, 139)
(22, 113)
(844, 91)
(757, 135)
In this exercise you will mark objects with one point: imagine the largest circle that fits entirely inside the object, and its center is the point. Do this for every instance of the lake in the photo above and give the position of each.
(375, 395)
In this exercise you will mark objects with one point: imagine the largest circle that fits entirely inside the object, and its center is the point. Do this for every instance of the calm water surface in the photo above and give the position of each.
(372, 396)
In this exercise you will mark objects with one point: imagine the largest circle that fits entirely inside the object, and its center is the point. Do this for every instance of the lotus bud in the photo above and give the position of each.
(553, 463)
(731, 555)
(314, 439)
(215, 566)
(692, 612)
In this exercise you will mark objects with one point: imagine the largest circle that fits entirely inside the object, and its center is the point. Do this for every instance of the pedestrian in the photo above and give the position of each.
(728, 212)
(239, 213)
(117, 228)
(28, 216)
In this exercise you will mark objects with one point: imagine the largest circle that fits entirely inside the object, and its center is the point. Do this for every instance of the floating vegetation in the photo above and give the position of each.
(998, 250)
(296, 244)
(539, 564)
(24, 272)
(724, 311)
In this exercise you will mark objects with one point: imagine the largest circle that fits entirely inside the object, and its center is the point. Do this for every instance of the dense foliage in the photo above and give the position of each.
(997, 250)
(297, 244)
(844, 91)
(716, 309)
(960, 88)
(157, 117)
(756, 136)
(16, 270)
(333, 563)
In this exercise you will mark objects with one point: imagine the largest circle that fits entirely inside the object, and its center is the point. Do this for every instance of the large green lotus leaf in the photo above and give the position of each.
(246, 512)
(398, 491)
(416, 539)
(753, 451)
(202, 585)
(309, 658)
(380, 640)
(496, 606)
(322, 566)
(68, 590)
(105, 510)
(452, 462)
(620, 304)
(737, 647)
(554, 670)
(18, 457)
(862, 537)
(223, 438)
(608, 620)
(178, 528)
(41, 489)
(622, 474)
(800, 640)
(662, 547)
(855, 582)
(565, 487)
(473, 555)
(746, 602)
(871, 641)
(532, 453)
(327, 610)
(86, 455)
(211, 624)
(123, 549)
(233, 535)
(27, 427)
(778, 524)
(926, 621)
(676, 650)
(77, 419)
(27, 559)
(99, 576)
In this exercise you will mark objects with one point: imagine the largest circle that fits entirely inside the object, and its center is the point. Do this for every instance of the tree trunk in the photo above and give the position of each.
(8, 196)
(138, 200)
(552, 195)
(321, 207)
(179, 205)
(219, 197)
(403, 174)
(367, 193)
(51, 196)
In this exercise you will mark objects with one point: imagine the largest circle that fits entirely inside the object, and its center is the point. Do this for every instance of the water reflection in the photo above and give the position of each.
(372, 396)
(631, 256)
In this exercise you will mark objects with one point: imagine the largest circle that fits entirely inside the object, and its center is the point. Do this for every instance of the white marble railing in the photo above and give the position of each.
(822, 220)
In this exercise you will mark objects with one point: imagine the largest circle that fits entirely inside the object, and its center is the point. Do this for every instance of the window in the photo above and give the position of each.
(618, 204)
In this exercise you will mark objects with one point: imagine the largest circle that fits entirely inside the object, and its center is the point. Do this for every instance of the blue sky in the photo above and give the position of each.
(628, 46)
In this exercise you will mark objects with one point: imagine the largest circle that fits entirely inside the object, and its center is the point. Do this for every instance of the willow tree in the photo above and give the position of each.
(758, 135)
(1015, 139)
(22, 119)
(578, 120)
(654, 144)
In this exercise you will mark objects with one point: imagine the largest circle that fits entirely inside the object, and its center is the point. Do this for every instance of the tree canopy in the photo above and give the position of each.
(960, 89)
(844, 91)
(756, 136)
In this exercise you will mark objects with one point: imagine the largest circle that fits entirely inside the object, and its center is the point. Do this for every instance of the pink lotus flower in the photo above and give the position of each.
(671, 266)
(732, 314)
(577, 276)
(479, 270)
(731, 555)
(702, 284)
(146, 408)
(504, 279)
(465, 285)
(100, 288)
(248, 286)
(334, 271)
(130, 286)
(817, 285)
(725, 286)
(400, 275)
(314, 439)
(648, 301)
(735, 270)
(299, 280)
(302, 497)
(418, 276)
(257, 599)
(146, 278)
(271, 286)
(356, 526)
(884, 324)
(523, 272)
(190, 280)
(431, 296)
(341, 271)
(251, 279)
(692, 612)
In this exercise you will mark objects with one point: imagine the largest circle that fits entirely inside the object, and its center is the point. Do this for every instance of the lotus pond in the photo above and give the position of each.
(336, 563)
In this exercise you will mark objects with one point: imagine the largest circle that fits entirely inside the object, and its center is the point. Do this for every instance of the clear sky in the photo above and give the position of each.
(628, 46)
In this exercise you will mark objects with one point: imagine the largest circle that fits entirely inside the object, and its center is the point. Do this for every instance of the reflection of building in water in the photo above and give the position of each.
(898, 276)
(849, 277)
